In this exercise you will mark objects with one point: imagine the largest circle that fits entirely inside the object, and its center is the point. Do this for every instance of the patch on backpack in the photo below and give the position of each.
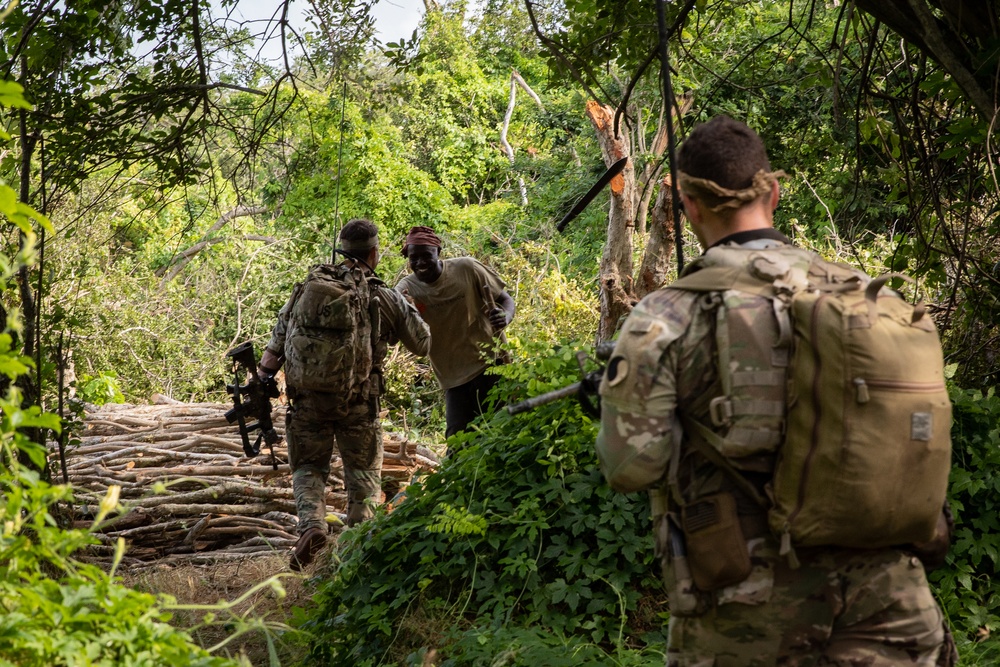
(921, 426)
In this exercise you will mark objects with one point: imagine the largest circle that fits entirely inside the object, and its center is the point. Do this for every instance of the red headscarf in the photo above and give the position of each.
(421, 235)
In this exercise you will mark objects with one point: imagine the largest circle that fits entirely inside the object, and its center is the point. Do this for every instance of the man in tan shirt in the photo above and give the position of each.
(466, 306)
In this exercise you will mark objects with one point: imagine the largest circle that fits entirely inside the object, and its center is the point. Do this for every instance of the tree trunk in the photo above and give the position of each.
(650, 173)
(515, 81)
(616, 262)
(660, 246)
(654, 164)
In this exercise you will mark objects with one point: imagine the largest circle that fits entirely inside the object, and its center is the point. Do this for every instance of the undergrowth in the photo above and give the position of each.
(968, 586)
(515, 552)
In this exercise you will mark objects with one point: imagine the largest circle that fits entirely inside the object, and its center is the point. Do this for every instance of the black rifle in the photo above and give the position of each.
(585, 390)
(252, 400)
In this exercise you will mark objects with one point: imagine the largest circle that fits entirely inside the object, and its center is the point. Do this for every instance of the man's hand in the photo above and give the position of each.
(498, 318)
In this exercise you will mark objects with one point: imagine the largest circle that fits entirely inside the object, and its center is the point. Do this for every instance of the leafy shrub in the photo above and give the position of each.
(968, 586)
(54, 608)
(100, 388)
(508, 647)
(517, 529)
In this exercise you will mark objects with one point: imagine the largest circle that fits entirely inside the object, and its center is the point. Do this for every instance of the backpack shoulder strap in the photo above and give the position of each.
(722, 278)
(706, 442)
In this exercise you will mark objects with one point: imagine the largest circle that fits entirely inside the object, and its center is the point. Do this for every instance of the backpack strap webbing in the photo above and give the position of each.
(705, 441)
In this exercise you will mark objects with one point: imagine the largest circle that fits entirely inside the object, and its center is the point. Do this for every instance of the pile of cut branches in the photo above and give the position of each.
(188, 491)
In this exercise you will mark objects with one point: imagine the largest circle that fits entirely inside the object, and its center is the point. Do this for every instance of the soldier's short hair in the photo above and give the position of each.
(358, 229)
(725, 151)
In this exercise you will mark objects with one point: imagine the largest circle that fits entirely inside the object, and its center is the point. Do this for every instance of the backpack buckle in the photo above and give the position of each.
(720, 409)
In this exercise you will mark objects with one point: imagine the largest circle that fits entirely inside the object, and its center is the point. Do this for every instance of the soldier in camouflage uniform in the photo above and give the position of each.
(840, 606)
(312, 427)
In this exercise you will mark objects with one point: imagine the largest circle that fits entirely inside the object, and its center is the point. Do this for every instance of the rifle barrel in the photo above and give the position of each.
(542, 399)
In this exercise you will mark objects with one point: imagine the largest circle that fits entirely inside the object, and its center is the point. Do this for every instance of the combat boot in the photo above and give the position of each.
(358, 511)
(308, 545)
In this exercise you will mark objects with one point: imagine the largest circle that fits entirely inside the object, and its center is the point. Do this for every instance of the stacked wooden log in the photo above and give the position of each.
(189, 494)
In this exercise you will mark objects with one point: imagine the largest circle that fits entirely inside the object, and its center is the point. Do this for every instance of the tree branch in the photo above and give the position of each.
(515, 81)
(937, 44)
(180, 260)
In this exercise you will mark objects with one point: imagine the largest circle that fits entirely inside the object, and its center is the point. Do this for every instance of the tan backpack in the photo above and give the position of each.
(332, 325)
(843, 380)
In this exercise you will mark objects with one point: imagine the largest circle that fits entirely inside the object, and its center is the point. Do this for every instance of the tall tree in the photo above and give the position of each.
(117, 84)
(882, 138)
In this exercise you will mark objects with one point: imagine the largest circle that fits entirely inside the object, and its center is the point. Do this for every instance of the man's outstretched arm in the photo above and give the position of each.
(504, 314)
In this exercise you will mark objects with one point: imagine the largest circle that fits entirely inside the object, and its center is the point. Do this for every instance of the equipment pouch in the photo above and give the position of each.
(716, 549)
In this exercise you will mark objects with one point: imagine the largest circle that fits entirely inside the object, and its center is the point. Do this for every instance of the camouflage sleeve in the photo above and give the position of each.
(639, 394)
(403, 323)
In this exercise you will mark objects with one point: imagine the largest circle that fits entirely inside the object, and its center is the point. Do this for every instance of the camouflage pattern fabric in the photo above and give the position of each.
(399, 323)
(841, 607)
(331, 327)
(312, 433)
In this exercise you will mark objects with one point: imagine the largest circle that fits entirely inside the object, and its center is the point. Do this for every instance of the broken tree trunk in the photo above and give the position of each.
(616, 261)
(655, 265)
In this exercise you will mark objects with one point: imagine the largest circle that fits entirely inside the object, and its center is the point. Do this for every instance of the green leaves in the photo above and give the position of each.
(517, 528)
(457, 521)
(12, 96)
(57, 610)
(967, 587)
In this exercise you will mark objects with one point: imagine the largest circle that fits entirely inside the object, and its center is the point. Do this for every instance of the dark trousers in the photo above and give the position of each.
(465, 402)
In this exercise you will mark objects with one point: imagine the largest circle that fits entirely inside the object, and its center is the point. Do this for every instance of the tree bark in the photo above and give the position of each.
(616, 261)
(660, 246)
(654, 164)
(650, 172)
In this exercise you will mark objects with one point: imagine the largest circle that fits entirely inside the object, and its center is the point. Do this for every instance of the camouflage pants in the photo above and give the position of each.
(312, 433)
(845, 608)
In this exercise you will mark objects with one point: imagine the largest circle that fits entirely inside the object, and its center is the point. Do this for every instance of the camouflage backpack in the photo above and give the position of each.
(840, 380)
(332, 325)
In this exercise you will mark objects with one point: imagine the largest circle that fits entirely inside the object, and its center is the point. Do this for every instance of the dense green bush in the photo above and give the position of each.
(968, 586)
(54, 608)
(517, 529)
(516, 553)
